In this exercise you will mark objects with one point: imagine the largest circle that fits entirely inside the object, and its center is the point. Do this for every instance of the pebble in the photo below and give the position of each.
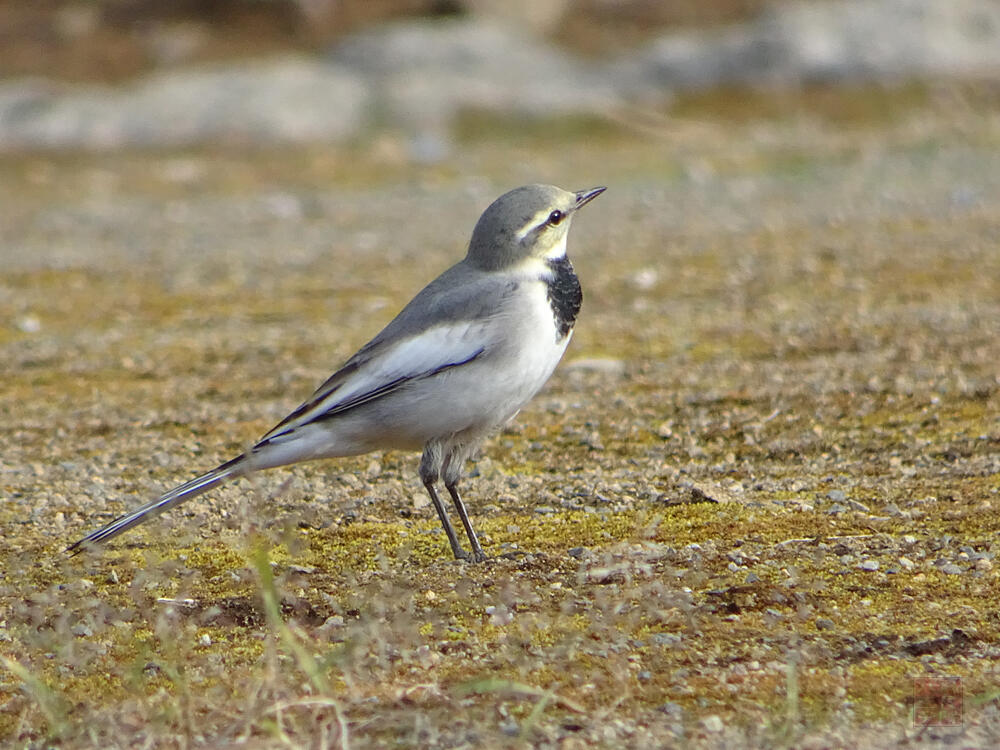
(950, 569)
(334, 621)
(666, 639)
(672, 709)
(713, 724)
(823, 623)
(869, 565)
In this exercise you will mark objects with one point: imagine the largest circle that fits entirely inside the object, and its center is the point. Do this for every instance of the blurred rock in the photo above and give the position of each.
(424, 73)
(284, 100)
(845, 40)
(417, 76)
(427, 71)
(534, 16)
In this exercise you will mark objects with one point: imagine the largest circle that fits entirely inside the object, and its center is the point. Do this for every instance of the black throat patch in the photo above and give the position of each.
(565, 295)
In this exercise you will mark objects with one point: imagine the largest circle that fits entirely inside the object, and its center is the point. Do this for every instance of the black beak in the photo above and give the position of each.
(583, 197)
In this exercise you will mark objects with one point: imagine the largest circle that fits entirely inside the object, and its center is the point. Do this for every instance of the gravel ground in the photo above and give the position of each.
(755, 506)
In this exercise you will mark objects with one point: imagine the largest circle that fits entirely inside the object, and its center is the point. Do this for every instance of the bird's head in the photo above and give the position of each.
(528, 223)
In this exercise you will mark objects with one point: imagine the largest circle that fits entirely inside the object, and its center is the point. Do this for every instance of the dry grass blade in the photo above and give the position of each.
(293, 642)
(50, 703)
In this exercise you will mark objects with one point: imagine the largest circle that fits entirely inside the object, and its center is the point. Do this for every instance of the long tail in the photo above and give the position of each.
(153, 508)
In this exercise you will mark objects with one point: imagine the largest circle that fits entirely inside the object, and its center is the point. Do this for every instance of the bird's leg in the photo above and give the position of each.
(456, 548)
(477, 551)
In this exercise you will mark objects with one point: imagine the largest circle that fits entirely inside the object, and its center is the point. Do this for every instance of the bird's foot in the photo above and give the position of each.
(476, 556)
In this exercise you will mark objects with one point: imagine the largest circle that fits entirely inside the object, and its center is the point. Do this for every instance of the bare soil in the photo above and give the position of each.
(755, 507)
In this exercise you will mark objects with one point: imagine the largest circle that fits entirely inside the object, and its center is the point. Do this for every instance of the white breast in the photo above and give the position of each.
(483, 395)
(531, 352)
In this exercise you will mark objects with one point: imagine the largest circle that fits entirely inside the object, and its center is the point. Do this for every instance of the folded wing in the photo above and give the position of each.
(389, 368)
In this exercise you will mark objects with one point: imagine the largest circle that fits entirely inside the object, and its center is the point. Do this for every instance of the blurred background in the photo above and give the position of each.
(111, 73)
(115, 39)
(774, 439)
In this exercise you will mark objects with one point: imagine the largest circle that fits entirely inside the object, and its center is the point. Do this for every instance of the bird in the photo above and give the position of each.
(455, 365)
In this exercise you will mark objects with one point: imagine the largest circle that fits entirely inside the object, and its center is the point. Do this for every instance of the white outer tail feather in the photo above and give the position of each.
(208, 481)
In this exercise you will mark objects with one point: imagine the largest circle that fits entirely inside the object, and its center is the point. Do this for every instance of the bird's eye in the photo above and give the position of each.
(555, 217)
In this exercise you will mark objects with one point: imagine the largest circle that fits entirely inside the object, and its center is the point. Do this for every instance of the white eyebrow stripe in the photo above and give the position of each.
(533, 223)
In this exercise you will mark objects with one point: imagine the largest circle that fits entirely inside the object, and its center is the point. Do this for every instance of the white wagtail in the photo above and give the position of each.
(455, 365)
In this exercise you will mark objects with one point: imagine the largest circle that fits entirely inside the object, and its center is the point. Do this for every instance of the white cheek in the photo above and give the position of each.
(558, 250)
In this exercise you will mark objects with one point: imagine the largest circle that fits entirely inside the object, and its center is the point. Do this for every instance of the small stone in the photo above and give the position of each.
(205, 640)
(984, 564)
(855, 505)
(499, 616)
(334, 621)
(82, 631)
(666, 639)
(950, 569)
(29, 324)
(823, 623)
(906, 563)
(576, 552)
(838, 496)
(752, 578)
(672, 709)
(869, 565)
(713, 724)
(645, 675)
